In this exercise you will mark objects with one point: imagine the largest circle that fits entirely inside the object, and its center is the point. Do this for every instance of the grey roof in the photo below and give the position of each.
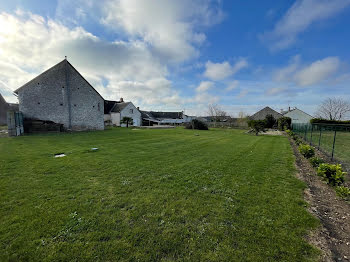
(119, 106)
(261, 115)
(287, 111)
(59, 65)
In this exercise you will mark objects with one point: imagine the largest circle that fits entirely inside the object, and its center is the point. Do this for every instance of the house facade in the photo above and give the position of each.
(115, 111)
(298, 116)
(62, 95)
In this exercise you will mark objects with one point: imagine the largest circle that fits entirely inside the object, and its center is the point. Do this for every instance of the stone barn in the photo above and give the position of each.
(3, 111)
(63, 96)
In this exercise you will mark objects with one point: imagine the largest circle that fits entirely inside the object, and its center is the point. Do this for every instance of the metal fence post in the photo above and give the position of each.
(312, 128)
(305, 133)
(319, 139)
(335, 134)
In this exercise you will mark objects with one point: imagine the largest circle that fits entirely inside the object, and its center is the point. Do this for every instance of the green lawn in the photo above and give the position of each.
(152, 195)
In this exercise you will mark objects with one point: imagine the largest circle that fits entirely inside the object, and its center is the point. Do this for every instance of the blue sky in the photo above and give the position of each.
(184, 55)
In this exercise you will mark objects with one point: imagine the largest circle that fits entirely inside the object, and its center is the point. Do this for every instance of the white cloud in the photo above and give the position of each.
(286, 73)
(300, 17)
(220, 71)
(204, 86)
(233, 85)
(30, 44)
(243, 93)
(308, 74)
(275, 91)
(170, 27)
(317, 71)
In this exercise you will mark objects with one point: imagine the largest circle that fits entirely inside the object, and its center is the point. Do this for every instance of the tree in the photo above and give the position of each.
(127, 120)
(270, 121)
(333, 109)
(257, 126)
(216, 113)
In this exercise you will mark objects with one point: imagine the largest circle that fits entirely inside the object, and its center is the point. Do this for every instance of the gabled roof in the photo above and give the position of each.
(58, 66)
(119, 106)
(286, 112)
(2, 99)
(261, 115)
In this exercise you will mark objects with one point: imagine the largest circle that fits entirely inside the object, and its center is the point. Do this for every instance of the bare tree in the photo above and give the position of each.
(216, 113)
(333, 109)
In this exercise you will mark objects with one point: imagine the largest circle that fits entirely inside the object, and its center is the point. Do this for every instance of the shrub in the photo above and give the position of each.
(284, 123)
(196, 124)
(316, 161)
(257, 125)
(343, 192)
(270, 121)
(306, 150)
(333, 174)
(289, 132)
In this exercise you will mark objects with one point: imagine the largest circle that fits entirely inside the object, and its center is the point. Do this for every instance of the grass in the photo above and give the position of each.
(152, 195)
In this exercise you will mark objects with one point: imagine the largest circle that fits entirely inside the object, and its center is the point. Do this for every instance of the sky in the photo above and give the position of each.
(182, 55)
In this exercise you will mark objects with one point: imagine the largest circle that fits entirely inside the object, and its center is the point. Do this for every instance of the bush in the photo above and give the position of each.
(306, 150)
(316, 161)
(196, 124)
(343, 192)
(333, 174)
(326, 121)
(270, 121)
(257, 125)
(284, 123)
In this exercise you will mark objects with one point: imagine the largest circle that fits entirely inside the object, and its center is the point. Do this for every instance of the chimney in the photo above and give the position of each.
(288, 108)
(121, 99)
(138, 108)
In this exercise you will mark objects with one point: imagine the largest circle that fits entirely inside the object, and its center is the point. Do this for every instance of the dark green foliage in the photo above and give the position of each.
(270, 121)
(316, 161)
(333, 174)
(343, 192)
(306, 150)
(196, 124)
(127, 120)
(257, 125)
(284, 123)
(326, 121)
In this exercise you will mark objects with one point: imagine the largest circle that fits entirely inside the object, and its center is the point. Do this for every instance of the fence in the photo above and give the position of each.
(332, 139)
(233, 124)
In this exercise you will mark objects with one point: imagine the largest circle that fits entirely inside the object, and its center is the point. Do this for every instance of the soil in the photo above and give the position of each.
(333, 237)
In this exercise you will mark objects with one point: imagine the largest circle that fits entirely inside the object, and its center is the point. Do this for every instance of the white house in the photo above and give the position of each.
(297, 116)
(115, 111)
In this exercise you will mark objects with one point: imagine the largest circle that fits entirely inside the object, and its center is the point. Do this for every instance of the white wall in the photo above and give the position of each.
(115, 117)
(298, 117)
(135, 114)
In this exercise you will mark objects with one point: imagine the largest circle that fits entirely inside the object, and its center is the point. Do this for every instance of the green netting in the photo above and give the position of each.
(334, 140)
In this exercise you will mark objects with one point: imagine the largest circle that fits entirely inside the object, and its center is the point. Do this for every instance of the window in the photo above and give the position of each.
(131, 111)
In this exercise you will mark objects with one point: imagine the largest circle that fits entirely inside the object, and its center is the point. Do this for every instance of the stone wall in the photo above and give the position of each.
(63, 96)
